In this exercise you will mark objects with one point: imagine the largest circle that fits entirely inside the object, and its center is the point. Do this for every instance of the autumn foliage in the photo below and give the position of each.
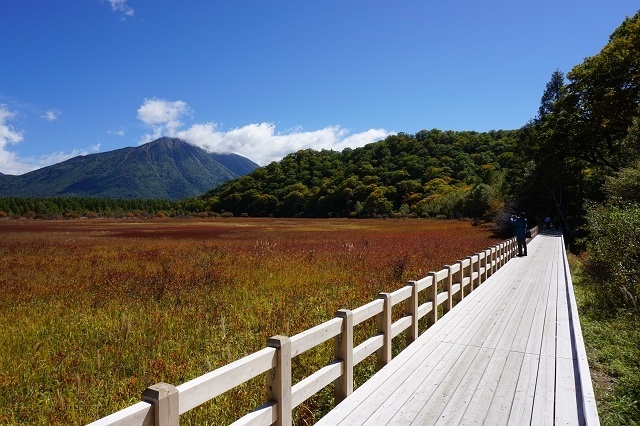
(94, 311)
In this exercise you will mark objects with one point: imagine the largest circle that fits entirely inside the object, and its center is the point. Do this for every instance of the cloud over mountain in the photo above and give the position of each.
(261, 142)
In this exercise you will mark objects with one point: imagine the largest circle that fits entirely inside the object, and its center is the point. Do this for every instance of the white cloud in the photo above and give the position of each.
(57, 157)
(11, 164)
(122, 7)
(119, 132)
(263, 144)
(259, 142)
(162, 116)
(51, 115)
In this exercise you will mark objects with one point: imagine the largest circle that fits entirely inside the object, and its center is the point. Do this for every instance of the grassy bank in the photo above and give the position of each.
(613, 350)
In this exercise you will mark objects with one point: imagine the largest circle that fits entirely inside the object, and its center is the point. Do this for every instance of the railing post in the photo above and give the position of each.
(472, 269)
(165, 400)
(493, 260)
(506, 252)
(279, 379)
(460, 278)
(412, 309)
(432, 296)
(344, 352)
(448, 304)
(384, 327)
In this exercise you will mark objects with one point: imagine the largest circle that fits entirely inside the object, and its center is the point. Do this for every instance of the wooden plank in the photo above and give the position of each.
(400, 295)
(522, 404)
(487, 316)
(566, 404)
(433, 408)
(564, 347)
(514, 326)
(367, 348)
(308, 386)
(444, 296)
(504, 321)
(412, 311)
(544, 397)
(528, 315)
(376, 389)
(548, 344)
(367, 311)
(502, 401)
(343, 351)
(401, 325)
(402, 407)
(479, 403)
(424, 309)
(468, 312)
(534, 343)
(203, 388)
(314, 336)
(456, 406)
(419, 350)
(477, 310)
(379, 408)
(264, 415)
(136, 414)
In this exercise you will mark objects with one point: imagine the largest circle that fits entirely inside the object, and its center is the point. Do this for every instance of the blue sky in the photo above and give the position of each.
(265, 78)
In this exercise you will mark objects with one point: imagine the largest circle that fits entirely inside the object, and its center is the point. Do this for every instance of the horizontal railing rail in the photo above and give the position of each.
(163, 403)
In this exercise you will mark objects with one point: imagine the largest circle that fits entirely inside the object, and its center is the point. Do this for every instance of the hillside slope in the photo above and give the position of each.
(166, 168)
(428, 174)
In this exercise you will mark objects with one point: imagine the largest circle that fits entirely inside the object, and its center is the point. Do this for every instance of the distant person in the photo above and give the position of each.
(547, 221)
(519, 224)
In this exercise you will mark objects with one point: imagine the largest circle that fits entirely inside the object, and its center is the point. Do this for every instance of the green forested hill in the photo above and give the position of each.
(427, 174)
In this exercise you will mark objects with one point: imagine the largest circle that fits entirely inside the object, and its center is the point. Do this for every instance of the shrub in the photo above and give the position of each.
(614, 254)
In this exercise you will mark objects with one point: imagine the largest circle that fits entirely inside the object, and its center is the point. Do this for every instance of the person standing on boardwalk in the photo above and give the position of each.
(519, 224)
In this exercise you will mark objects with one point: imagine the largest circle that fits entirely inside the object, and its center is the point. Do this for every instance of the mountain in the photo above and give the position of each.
(166, 168)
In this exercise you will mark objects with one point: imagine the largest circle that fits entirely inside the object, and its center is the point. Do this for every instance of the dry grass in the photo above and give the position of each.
(94, 311)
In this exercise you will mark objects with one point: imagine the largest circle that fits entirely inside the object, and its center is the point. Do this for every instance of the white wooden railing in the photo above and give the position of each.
(162, 404)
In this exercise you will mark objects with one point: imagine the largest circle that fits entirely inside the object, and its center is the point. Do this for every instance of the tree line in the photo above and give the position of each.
(583, 163)
(432, 173)
(76, 207)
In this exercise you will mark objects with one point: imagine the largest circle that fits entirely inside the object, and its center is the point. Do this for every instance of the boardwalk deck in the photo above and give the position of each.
(510, 353)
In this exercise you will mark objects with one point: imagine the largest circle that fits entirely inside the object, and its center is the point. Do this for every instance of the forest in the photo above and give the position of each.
(429, 174)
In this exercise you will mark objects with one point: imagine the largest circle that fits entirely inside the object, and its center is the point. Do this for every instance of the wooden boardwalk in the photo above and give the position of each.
(510, 353)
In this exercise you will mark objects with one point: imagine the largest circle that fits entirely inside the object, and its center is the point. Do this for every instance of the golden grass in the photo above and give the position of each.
(94, 311)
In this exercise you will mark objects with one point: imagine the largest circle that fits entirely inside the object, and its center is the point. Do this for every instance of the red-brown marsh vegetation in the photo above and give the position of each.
(94, 311)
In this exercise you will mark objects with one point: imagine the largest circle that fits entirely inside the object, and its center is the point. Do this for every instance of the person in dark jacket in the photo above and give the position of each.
(519, 224)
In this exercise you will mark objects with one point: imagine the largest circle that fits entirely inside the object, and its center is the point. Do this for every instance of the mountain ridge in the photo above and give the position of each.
(167, 168)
